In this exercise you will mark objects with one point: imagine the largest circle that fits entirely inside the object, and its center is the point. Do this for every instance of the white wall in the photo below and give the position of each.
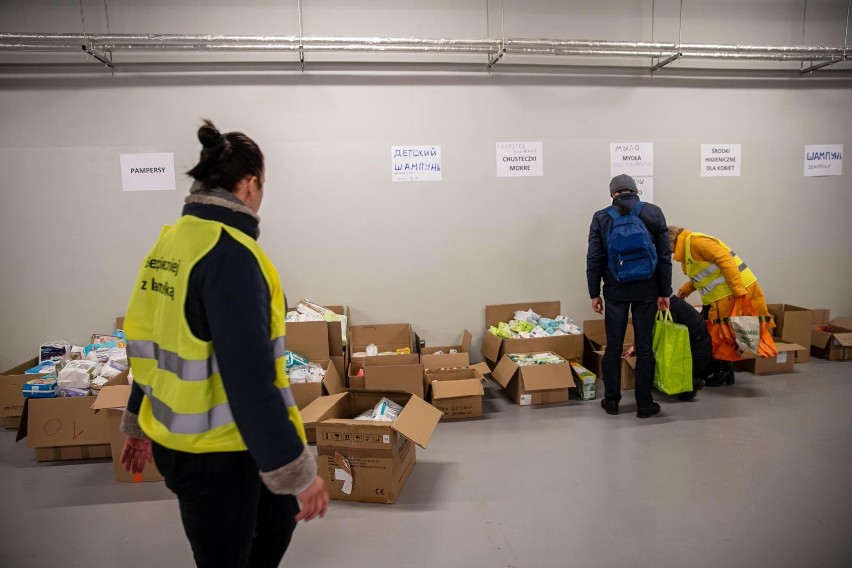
(433, 254)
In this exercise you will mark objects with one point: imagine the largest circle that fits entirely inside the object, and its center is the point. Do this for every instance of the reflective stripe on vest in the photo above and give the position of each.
(707, 276)
(198, 422)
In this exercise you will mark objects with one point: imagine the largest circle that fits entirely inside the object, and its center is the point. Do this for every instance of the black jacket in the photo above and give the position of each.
(228, 303)
(597, 265)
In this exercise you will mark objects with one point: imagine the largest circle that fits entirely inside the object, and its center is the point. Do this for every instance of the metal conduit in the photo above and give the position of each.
(140, 43)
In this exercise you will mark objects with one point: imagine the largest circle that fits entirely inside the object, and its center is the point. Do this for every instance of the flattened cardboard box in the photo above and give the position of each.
(793, 325)
(11, 388)
(534, 384)
(493, 347)
(457, 393)
(363, 460)
(835, 342)
(782, 363)
(111, 401)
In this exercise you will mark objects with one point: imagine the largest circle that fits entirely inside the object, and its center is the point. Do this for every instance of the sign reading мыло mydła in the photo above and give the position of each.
(631, 158)
(720, 159)
(519, 159)
(147, 172)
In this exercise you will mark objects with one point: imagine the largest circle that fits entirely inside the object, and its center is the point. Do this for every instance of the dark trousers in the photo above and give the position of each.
(229, 516)
(615, 318)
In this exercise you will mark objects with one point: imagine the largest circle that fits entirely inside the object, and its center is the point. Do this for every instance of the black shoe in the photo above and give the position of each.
(687, 396)
(700, 385)
(649, 411)
(728, 375)
(609, 406)
(717, 379)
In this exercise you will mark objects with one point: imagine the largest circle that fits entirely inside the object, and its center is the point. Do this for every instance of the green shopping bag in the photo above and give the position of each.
(673, 369)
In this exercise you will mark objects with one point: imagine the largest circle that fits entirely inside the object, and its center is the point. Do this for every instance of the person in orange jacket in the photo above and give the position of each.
(719, 275)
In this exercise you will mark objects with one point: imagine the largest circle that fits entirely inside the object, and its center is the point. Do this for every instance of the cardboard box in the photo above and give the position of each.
(62, 422)
(362, 460)
(493, 347)
(386, 337)
(833, 340)
(457, 393)
(534, 384)
(305, 393)
(388, 373)
(11, 422)
(111, 401)
(11, 388)
(85, 452)
(793, 325)
(431, 358)
(595, 335)
(781, 363)
(335, 335)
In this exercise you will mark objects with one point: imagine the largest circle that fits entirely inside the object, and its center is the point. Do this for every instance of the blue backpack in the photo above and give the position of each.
(631, 251)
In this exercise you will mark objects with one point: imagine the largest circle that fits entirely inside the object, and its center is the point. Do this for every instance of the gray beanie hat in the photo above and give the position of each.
(622, 181)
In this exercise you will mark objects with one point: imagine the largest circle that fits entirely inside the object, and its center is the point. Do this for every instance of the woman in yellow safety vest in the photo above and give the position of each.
(719, 275)
(211, 399)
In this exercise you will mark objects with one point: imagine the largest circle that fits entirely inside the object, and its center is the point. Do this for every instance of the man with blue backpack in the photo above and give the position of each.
(629, 250)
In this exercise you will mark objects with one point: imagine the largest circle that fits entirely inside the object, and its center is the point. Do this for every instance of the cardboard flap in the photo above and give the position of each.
(481, 368)
(547, 377)
(456, 389)
(781, 346)
(844, 339)
(504, 371)
(844, 323)
(309, 339)
(446, 360)
(466, 340)
(820, 338)
(387, 360)
(452, 375)
(112, 397)
(384, 336)
(490, 346)
(819, 316)
(332, 382)
(408, 378)
(20, 369)
(417, 421)
(324, 407)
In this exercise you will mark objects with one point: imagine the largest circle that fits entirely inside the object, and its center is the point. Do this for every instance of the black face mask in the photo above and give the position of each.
(620, 202)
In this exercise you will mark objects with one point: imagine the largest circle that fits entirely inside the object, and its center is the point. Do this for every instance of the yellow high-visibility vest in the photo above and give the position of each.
(185, 406)
(707, 276)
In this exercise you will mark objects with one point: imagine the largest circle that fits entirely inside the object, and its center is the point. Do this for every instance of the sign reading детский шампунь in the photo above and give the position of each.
(147, 172)
(824, 160)
(416, 163)
(720, 159)
(519, 159)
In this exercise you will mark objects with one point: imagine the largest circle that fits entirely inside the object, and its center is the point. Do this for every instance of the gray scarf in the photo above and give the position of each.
(220, 197)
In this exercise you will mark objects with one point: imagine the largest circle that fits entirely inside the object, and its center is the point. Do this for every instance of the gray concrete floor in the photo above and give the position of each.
(756, 474)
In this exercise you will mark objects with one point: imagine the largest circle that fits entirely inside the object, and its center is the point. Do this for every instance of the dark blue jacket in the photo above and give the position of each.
(228, 303)
(597, 264)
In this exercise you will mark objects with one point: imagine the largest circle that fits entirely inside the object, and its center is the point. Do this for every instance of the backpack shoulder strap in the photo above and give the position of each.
(612, 212)
(638, 209)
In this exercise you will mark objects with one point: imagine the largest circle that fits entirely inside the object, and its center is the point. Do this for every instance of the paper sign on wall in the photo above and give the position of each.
(519, 159)
(823, 160)
(416, 163)
(645, 185)
(147, 172)
(720, 159)
(633, 159)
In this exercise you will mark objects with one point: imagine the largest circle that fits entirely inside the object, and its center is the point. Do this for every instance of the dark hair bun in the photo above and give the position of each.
(209, 135)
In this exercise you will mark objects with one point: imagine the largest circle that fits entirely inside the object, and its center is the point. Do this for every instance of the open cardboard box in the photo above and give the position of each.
(365, 460)
(493, 347)
(782, 363)
(59, 428)
(595, 333)
(831, 340)
(457, 393)
(793, 325)
(440, 356)
(11, 392)
(534, 384)
(387, 337)
(110, 403)
(388, 373)
(305, 393)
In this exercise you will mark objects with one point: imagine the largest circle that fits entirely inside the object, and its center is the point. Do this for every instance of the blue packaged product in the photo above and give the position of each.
(45, 369)
(40, 388)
